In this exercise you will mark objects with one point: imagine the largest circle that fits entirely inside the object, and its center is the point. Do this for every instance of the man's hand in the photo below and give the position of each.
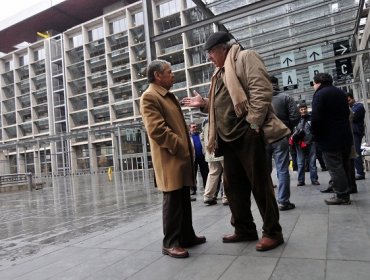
(195, 101)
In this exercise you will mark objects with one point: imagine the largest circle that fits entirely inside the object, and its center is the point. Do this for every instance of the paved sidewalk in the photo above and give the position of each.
(87, 227)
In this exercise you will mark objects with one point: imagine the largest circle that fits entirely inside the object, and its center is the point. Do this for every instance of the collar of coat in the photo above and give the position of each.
(157, 88)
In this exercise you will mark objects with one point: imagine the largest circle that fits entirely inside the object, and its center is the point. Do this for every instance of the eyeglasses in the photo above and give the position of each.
(212, 50)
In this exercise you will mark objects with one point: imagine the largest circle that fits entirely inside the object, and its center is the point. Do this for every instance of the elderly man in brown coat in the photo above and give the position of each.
(172, 158)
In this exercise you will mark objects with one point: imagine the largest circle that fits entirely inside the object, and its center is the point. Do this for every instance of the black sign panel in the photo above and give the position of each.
(344, 69)
(341, 48)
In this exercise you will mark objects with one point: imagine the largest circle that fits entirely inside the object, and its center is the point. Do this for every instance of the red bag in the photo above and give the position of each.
(302, 144)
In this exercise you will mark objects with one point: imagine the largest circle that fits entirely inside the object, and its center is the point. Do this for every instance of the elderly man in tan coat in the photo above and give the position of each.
(172, 158)
(241, 122)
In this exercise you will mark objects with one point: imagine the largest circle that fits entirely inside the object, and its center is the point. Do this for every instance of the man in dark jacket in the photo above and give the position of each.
(358, 127)
(286, 110)
(305, 146)
(331, 129)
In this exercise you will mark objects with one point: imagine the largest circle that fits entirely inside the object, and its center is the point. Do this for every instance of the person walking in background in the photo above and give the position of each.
(286, 110)
(239, 103)
(332, 131)
(199, 157)
(172, 157)
(305, 146)
(216, 166)
(358, 133)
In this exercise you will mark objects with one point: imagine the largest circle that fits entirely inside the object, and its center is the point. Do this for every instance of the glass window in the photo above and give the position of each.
(23, 60)
(39, 54)
(75, 41)
(138, 19)
(96, 34)
(168, 8)
(8, 65)
(118, 26)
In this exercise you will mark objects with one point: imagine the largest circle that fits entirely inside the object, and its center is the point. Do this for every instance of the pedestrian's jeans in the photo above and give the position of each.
(310, 153)
(279, 151)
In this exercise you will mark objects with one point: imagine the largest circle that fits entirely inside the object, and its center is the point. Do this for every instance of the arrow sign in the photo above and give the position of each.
(287, 59)
(341, 48)
(314, 53)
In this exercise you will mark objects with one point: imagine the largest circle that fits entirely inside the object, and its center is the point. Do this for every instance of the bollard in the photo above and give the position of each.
(29, 179)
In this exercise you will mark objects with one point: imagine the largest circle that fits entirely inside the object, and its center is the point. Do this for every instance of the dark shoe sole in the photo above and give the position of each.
(241, 239)
(287, 207)
(329, 190)
(164, 252)
(328, 202)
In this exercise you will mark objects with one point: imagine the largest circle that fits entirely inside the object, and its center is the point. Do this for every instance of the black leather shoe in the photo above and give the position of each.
(316, 183)
(196, 241)
(328, 190)
(175, 252)
(210, 202)
(360, 177)
(192, 198)
(300, 184)
(234, 237)
(286, 206)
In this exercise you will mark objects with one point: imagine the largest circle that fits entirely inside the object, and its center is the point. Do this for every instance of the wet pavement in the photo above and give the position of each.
(88, 227)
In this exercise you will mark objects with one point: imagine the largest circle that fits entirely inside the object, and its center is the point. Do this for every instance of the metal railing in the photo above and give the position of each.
(22, 178)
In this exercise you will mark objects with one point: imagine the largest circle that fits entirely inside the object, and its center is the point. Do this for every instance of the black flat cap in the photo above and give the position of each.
(216, 38)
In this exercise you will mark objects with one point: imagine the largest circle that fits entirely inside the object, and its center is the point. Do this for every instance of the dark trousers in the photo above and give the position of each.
(293, 154)
(339, 167)
(359, 164)
(203, 168)
(320, 158)
(245, 172)
(177, 218)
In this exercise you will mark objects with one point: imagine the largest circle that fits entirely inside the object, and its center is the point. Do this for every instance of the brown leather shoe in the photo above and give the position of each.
(235, 237)
(175, 252)
(196, 241)
(267, 243)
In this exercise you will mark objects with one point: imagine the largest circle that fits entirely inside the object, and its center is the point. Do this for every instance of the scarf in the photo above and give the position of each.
(235, 89)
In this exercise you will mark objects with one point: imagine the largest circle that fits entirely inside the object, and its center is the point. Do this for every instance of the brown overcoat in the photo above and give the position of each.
(168, 134)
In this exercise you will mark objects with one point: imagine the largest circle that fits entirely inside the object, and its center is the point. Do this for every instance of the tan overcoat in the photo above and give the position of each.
(168, 134)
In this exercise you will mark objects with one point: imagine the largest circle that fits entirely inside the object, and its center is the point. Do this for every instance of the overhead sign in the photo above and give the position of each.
(344, 69)
(314, 69)
(343, 66)
(287, 59)
(341, 48)
(314, 53)
(290, 79)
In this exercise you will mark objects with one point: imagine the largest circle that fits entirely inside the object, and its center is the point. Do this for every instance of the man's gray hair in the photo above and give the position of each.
(155, 66)
(228, 44)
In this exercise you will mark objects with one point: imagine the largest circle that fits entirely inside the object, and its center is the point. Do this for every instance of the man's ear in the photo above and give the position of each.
(156, 75)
